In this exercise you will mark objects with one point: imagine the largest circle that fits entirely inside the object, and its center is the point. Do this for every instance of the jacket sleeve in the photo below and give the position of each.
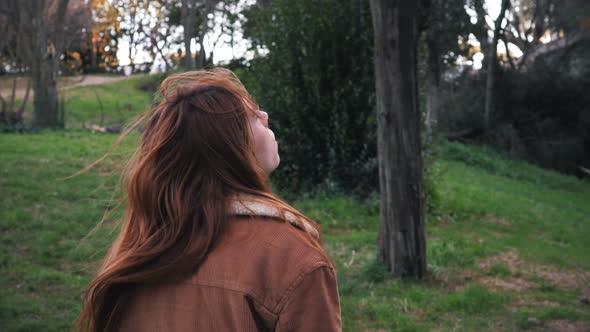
(313, 304)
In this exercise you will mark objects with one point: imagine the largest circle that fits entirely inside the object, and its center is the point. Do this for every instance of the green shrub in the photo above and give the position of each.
(317, 84)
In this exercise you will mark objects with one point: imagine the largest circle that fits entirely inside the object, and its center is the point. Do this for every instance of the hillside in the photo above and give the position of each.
(507, 242)
(95, 99)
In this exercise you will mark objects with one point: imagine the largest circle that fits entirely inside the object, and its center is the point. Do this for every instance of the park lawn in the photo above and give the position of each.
(118, 102)
(507, 243)
(113, 104)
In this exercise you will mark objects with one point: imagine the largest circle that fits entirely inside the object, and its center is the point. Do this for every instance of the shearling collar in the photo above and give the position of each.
(247, 205)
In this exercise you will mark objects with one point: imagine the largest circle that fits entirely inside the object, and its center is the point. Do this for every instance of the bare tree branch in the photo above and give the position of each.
(510, 60)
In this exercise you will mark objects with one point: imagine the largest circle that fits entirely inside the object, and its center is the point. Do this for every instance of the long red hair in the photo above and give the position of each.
(195, 154)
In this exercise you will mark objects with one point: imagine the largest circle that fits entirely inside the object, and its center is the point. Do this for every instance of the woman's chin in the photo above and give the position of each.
(274, 166)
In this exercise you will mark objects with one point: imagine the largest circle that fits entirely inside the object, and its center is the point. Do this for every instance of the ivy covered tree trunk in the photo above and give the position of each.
(401, 244)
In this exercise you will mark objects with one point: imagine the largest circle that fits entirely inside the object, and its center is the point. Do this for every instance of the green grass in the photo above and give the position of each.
(112, 104)
(44, 263)
(121, 101)
(489, 206)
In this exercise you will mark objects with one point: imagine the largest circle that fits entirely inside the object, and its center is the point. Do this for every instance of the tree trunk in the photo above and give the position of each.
(43, 74)
(45, 104)
(492, 62)
(46, 52)
(401, 243)
(187, 18)
(201, 58)
(433, 80)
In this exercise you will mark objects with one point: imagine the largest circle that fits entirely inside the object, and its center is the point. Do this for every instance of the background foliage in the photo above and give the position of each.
(316, 80)
(542, 115)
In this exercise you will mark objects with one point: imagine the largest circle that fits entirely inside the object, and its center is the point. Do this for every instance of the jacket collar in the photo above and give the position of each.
(248, 205)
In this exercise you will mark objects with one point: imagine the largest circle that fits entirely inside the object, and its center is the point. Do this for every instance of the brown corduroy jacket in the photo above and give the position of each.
(261, 276)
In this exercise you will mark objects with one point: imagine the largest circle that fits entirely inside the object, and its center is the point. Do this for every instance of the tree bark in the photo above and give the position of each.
(43, 73)
(187, 18)
(39, 44)
(201, 57)
(492, 63)
(401, 244)
(47, 49)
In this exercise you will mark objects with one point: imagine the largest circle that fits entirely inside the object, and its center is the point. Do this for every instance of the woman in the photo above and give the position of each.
(205, 245)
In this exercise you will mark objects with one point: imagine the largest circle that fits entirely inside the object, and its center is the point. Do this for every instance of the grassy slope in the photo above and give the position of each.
(500, 222)
(529, 225)
(121, 101)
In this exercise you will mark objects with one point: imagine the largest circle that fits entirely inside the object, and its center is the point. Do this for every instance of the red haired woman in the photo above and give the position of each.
(205, 245)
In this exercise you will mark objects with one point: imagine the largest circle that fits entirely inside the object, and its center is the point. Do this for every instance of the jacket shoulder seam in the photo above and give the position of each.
(297, 281)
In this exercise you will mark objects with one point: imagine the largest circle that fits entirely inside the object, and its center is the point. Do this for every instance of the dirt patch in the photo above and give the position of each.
(528, 305)
(544, 304)
(523, 275)
(568, 326)
(492, 283)
(509, 258)
(566, 279)
(469, 275)
(453, 281)
(497, 220)
(572, 278)
(516, 284)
